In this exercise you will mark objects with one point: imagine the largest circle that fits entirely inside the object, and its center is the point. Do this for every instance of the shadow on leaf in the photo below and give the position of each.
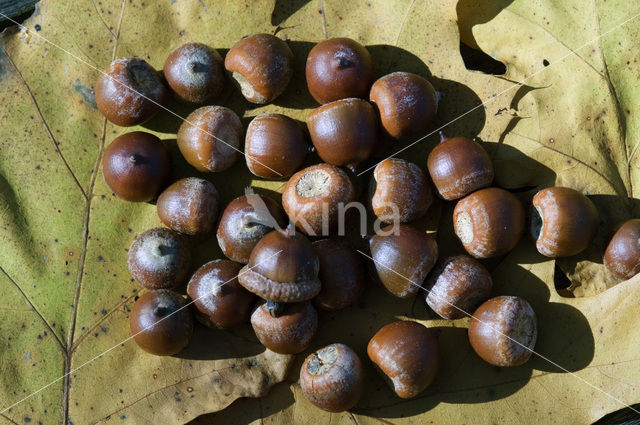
(283, 9)
(215, 344)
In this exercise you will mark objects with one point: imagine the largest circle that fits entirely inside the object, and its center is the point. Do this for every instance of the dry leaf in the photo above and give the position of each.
(67, 292)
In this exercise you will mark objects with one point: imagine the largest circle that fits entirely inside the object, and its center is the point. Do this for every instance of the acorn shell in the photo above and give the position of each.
(161, 323)
(344, 132)
(282, 267)
(210, 138)
(503, 331)
(136, 166)
(407, 353)
(407, 103)
(289, 333)
(402, 192)
(189, 206)
(403, 258)
(245, 221)
(311, 191)
(459, 166)
(195, 72)
(159, 258)
(564, 221)
(338, 68)
(332, 378)
(275, 146)
(129, 92)
(219, 299)
(261, 65)
(342, 274)
(489, 222)
(622, 256)
(456, 286)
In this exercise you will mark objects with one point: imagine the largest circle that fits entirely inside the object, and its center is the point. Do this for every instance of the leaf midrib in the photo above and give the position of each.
(83, 253)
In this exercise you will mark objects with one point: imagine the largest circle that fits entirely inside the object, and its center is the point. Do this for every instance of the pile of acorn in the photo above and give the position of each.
(281, 266)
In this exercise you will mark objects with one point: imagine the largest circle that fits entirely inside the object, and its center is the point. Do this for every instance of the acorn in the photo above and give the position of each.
(564, 221)
(403, 256)
(290, 332)
(622, 256)
(283, 268)
(407, 354)
(489, 222)
(459, 166)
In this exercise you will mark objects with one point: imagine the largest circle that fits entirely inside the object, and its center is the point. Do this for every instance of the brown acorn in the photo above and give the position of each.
(344, 132)
(283, 267)
(459, 166)
(407, 354)
(189, 206)
(129, 92)
(290, 332)
(564, 221)
(342, 274)
(316, 197)
(245, 221)
(622, 256)
(261, 65)
(338, 68)
(407, 104)
(402, 193)
(503, 331)
(403, 256)
(220, 301)
(332, 378)
(275, 146)
(161, 323)
(489, 222)
(456, 286)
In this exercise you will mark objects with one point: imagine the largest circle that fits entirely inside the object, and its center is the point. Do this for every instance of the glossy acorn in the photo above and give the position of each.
(195, 72)
(407, 103)
(129, 92)
(459, 166)
(402, 192)
(408, 356)
(283, 267)
(290, 332)
(161, 323)
(342, 274)
(344, 132)
(210, 138)
(403, 257)
(261, 65)
(245, 221)
(563, 222)
(332, 378)
(503, 331)
(315, 198)
(456, 286)
(189, 206)
(622, 256)
(489, 222)
(275, 146)
(136, 166)
(338, 68)
(159, 258)
(219, 300)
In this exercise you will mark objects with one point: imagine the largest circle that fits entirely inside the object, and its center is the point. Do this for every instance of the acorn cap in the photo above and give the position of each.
(283, 267)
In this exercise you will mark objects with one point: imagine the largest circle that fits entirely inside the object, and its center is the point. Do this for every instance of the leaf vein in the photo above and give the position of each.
(44, 123)
(34, 308)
